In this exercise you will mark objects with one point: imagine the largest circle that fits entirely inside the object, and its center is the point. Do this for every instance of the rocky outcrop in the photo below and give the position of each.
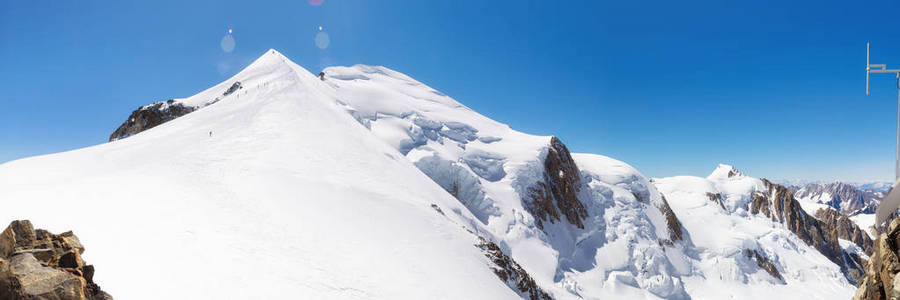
(716, 198)
(150, 116)
(843, 228)
(510, 272)
(233, 88)
(764, 263)
(880, 280)
(557, 193)
(36, 264)
(777, 203)
(672, 224)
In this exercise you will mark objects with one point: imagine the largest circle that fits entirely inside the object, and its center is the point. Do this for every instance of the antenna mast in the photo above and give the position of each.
(882, 68)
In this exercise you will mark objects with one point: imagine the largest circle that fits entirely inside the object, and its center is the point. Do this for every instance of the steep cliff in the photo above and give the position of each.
(778, 203)
(557, 192)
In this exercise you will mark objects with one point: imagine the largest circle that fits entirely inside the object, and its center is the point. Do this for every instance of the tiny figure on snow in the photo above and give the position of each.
(210, 134)
(322, 76)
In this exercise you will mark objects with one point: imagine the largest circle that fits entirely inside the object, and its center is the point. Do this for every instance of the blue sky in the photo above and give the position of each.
(672, 87)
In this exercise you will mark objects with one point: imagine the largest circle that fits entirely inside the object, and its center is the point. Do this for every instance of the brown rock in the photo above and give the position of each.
(763, 262)
(557, 193)
(39, 281)
(511, 272)
(880, 278)
(778, 203)
(17, 236)
(717, 198)
(70, 259)
(843, 228)
(36, 264)
(672, 223)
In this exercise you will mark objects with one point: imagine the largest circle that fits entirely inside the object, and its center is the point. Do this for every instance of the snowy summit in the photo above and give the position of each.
(367, 184)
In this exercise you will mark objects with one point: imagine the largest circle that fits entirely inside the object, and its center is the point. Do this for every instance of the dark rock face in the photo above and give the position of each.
(882, 268)
(234, 87)
(763, 262)
(510, 272)
(717, 198)
(36, 264)
(150, 116)
(557, 193)
(672, 223)
(779, 204)
(844, 228)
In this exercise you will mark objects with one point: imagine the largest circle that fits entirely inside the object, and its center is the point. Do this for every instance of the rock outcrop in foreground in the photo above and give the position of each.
(36, 264)
(880, 279)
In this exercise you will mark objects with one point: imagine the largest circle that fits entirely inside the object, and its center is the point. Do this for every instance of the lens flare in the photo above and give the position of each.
(315, 2)
(322, 40)
(320, 27)
(229, 30)
(227, 43)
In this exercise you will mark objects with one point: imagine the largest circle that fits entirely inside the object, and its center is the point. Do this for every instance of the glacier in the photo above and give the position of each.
(372, 185)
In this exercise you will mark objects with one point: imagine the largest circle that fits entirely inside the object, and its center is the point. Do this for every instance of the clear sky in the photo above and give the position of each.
(775, 88)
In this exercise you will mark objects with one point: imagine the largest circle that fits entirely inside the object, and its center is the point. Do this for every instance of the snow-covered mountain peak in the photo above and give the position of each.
(724, 171)
(321, 185)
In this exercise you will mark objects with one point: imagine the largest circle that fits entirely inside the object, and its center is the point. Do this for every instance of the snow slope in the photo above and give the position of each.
(491, 167)
(290, 196)
(721, 234)
(324, 189)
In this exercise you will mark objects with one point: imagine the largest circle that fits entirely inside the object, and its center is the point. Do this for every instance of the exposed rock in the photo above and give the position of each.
(557, 193)
(36, 264)
(717, 198)
(843, 197)
(510, 272)
(883, 266)
(777, 203)
(763, 262)
(844, 228)
(150, 116)
(672, 223)
(234, 87)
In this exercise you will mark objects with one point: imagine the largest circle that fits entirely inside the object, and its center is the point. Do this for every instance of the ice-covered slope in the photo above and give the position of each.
(734, 243)
(289, 197)
(581, 225)
(367, 184)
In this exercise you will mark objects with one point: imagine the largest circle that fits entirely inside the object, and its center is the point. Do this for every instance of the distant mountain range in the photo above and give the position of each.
(846, 198)
(878, 186)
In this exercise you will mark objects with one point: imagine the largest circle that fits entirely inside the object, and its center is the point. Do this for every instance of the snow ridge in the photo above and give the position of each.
(322, 187)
